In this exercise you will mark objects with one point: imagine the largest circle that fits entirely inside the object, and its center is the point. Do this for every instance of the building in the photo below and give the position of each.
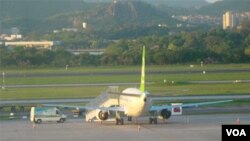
(87, 51)
(11, 37)
(41, 44)
(228, 20)
(84, 25)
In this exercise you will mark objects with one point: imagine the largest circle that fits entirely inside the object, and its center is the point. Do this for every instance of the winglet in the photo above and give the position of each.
(142, 85)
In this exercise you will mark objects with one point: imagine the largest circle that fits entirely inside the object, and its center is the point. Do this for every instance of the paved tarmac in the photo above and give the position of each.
(178, 128)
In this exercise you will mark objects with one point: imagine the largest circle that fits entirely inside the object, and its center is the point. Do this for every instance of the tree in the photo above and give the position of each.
(62, 58)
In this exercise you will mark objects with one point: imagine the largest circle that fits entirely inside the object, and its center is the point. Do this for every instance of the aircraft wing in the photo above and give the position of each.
(189, 105)
(114, 109)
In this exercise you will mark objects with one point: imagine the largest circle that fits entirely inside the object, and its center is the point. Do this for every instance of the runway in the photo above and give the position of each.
(124, 72)
(178, 128)
(119, 84)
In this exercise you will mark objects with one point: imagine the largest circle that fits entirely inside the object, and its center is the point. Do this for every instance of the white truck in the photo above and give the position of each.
(41, 114)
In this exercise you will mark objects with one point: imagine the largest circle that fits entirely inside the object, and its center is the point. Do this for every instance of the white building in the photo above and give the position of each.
(84, 25)
(42, 44)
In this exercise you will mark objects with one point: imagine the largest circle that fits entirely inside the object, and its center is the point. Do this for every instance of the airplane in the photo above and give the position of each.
(134, 102)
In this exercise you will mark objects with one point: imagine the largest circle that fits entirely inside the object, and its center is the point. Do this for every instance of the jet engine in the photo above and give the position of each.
(165, 113)
(103, 115)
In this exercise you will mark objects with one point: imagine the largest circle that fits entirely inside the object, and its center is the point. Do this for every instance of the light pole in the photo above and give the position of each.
(3, 81)
(67, 67)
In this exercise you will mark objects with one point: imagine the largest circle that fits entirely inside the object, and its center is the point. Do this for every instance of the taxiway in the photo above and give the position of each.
(178, 128)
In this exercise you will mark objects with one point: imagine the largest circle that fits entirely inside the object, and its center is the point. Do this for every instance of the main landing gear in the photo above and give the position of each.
(119, 121)
(129, 118)
(153, 120)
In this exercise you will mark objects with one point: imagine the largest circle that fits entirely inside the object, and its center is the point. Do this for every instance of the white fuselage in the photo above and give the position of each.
(135, 105)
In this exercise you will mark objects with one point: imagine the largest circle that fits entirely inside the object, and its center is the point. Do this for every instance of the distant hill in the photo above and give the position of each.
(220, 7)
(180, 3)
(40, 8)
(127, 19)
(126, 12)
(42, 15)
(172, 3)
(45, 15)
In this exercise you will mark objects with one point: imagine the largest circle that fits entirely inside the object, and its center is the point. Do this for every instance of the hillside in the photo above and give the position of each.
(40, 8)
(220, 7)
(41, 15)
(180, 3)
(172, 3)
(125, 13)
(126, 19)
(46, 15)
(104, 16)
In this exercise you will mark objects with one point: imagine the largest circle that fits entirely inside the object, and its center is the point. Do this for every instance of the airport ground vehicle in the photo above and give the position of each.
(41, 114)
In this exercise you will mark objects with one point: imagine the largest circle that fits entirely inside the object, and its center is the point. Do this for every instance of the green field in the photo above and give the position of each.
(80, 92)
(155, 78)
(175, 84)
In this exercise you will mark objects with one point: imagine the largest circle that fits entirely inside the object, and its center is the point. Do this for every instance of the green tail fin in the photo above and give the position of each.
(142, 85)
